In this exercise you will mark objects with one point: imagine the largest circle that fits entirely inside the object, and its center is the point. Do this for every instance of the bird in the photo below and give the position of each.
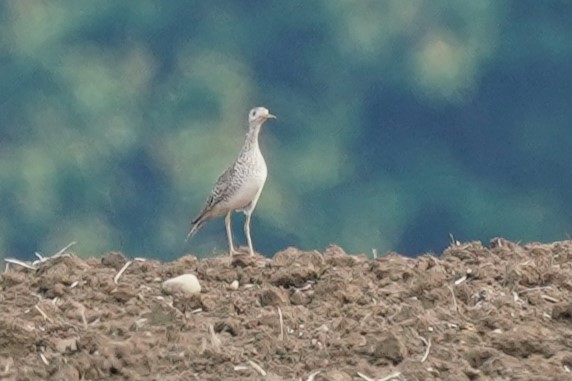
(239, 187)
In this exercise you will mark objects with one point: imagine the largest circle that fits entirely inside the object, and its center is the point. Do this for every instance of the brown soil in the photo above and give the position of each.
(502, 312)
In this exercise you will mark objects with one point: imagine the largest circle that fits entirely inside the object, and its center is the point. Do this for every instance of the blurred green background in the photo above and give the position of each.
(399, 122)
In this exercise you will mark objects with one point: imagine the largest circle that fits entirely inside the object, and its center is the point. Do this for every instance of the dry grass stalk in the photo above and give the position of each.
(215, 341)
(454, 299)
(17, 262)
(257, 368)
(125, 266)
(392, 376)
(549, 298)
(281, 324)
(60, 253)
(44, 359)
(46, 317)
(312, 375)
(364, 377)
(428, 345)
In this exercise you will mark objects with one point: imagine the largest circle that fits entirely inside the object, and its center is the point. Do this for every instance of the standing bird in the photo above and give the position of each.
(240, 185)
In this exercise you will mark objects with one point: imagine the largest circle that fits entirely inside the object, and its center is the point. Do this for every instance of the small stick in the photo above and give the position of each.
(312, 375)
(257, 367)
(392, 376)
(83, 318)
(125, 266)
(549, 298)
(44, 359)
(535, 289)
(460, 280)
(19, 263)
(64, 249)
(428, 345)
(454, 298)
(281, 324)
(215, 341)
(46, 317)
(363, 376)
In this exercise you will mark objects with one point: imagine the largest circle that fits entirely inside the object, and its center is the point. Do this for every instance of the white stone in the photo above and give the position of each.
(186, 283)
(234, 285)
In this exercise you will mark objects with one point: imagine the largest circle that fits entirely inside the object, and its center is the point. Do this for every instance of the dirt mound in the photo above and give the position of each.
(502, 312)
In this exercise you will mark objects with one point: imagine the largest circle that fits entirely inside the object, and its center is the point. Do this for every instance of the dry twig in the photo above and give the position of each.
(549, 298)
(312, 375)
(363, 376)
(60, 253)
(125, 266)
(257, 368)
(215, 341)
(427, 343)
(392, 376)
(44, 359)
(454, 298)
(19, 263)
(281, 324)
(46, 317)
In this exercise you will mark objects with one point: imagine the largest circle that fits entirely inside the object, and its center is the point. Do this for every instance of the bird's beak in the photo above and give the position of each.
(270, 116)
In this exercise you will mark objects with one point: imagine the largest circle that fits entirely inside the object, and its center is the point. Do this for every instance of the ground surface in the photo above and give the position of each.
(497, 312)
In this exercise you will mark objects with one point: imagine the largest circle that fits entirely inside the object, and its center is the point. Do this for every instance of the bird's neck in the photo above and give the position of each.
(251, 140)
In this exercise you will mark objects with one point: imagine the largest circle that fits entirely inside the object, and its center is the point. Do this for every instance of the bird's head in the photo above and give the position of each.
(258, 115)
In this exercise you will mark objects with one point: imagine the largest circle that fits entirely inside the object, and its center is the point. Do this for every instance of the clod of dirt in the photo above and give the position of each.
(66, 373)
(16, 337)
(11, 279)
(65, 345)
(187, 284)
(336, 256)
(297, 276)
(114, 259)
(385, 349)
(229, 325)
(333, 375)
(273, 297)
(300, 298)
(562, 311)
(294, 257)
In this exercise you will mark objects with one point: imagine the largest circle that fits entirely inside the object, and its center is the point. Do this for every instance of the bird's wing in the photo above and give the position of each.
(220, 188)
(221, 185)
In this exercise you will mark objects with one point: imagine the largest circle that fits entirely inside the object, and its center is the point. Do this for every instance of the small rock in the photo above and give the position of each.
(186, 283)
(66, 345)
(273, 296)
(299, 298)
(234, 285)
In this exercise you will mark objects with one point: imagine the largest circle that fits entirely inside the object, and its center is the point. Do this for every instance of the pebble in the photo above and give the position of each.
(186, 283)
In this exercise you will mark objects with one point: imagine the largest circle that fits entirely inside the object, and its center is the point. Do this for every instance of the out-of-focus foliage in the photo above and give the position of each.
(399, 122)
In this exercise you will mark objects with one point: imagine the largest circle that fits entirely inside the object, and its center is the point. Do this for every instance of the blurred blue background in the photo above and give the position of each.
(399, 122)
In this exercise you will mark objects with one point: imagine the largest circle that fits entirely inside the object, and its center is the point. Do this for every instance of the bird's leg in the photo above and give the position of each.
(229, 233)
(247, 232)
